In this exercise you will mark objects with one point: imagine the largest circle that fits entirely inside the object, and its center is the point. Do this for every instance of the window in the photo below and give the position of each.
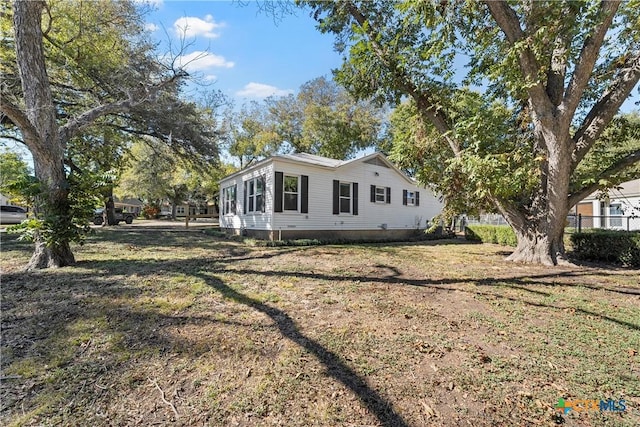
(615, 213)
(345, 197)
(290, 194)
(410, 198)
(254, 195)
(229, 200)
(380, 194)
(179, 210)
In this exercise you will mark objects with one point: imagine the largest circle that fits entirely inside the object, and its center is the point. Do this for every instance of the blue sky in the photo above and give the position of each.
(242, 51)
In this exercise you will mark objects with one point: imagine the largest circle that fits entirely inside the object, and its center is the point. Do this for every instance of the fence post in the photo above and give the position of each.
(579, 223)
(186, 221)
(628, 218)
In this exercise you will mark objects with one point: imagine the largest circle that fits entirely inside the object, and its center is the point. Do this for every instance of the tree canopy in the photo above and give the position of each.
(322, 118)
(541, 83)
(80, 80)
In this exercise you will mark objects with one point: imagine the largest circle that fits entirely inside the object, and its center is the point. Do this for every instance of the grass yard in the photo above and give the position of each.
(181, 328)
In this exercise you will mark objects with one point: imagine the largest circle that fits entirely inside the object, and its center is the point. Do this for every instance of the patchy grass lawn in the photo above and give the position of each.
(181, 328)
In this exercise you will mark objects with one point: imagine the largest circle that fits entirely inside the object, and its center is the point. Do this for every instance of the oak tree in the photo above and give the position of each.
(549, 77)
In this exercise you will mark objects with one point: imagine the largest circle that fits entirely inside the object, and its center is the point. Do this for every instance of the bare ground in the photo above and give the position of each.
(173, 327)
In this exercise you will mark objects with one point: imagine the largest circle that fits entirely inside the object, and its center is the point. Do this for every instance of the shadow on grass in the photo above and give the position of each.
(140, 329)
(375, 403)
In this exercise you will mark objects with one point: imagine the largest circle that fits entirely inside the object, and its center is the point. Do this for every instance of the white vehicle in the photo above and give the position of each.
(12, 214)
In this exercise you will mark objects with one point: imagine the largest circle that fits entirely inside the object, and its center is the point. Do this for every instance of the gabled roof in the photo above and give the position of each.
(325, 162)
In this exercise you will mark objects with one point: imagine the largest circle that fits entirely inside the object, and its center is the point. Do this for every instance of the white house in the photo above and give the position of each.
(307, 196)
(620, 209)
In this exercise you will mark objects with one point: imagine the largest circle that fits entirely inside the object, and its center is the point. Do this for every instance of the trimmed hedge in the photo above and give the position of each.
(607, 245)
(500, 234)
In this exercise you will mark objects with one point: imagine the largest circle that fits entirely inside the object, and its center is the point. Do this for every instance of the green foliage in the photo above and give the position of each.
(16, 180)
(607, 245)
(53, 224)
(499, 234)
(495, 160)
(621, 138)
(322, 119)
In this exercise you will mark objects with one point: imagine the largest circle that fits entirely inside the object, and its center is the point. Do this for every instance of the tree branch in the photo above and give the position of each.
(508, 22)
(619, 166)
(588, 58)
(18, 117)
(603, 111)
(69, 130)
(427, 106)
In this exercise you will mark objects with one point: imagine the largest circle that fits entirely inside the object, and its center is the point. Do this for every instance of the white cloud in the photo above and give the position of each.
(201, 60)
(190, 26)
(151, 27)
(260, 90)
(156, 4)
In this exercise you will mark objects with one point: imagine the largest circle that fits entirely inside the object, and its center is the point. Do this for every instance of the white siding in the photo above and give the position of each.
(257, 220)
(370, 215)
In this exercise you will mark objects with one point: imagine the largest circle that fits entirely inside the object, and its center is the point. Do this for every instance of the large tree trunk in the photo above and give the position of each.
(42, 138)
(539, 227)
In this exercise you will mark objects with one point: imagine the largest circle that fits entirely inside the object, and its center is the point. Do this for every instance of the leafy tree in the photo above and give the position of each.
(154, 173)
(554, 76)
(321, 119)
(66, 76)
(252, 135)
(15, 175)
(324, 119)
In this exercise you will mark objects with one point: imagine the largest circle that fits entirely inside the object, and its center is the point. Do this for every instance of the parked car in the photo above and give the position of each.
(127, 217)
(12, 214)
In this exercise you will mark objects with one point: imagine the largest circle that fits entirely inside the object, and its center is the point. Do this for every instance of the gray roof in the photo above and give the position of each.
(313, 159)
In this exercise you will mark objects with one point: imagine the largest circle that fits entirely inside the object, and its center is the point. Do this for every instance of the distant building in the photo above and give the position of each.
(619, 209)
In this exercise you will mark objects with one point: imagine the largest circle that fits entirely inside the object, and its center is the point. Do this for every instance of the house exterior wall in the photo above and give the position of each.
(619, 210)
(373, 220)
(244, 221)
(371, 216)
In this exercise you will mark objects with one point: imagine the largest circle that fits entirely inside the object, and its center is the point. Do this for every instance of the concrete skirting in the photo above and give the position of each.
(375, 234)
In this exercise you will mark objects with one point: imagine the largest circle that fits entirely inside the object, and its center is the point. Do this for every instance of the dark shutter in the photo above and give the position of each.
(388, 194)
(404, 197)
(336, 197)
(373, 194)
(277, 202)
(417, 198)
(355, 198)
(246, 196)
(304, 194)
(264, 192)
(235, 199)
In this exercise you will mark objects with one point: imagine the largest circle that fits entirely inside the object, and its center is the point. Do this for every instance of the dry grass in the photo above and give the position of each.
(180, 328)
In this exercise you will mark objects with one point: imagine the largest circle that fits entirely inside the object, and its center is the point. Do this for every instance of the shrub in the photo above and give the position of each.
(151, 211)
(607, 245)
(500, 234)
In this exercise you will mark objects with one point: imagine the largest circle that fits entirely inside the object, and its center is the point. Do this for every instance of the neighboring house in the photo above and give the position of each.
(307, 196)
(210, 209)
(620, 209)
(128, 205)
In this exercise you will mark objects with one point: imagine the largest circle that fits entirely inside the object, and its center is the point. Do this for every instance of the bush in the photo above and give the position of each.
(500, 234)
(606, 245)
(151, 211)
